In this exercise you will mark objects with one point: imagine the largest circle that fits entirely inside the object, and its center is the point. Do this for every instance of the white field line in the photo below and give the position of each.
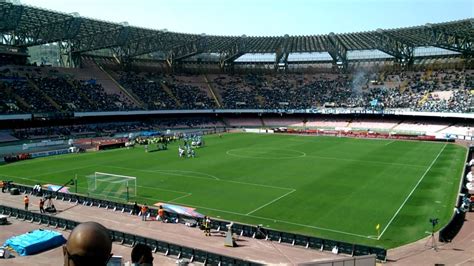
(184, 196)
(265, 205)
(24, 178)
(388, 143)
(231, 212)
(411, 192)
(163, 189)
(301, 154)
(281, 221)
(147, 187)
(257, 185)
(65, 170)
(169, 172)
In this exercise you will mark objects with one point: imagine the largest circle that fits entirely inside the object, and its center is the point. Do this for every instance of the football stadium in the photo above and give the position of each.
(197, 149)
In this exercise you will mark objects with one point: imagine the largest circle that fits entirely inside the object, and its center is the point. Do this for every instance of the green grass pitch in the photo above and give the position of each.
(337, 188)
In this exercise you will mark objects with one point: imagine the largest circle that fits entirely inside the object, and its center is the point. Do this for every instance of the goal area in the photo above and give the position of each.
(111, 186)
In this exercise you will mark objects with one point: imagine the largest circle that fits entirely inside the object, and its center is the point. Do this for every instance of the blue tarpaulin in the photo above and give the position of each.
(35, 241)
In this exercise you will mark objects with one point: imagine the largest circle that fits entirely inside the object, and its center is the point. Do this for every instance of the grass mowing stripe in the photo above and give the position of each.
(214, 177)
(366, 161)
(372, 181)
(283, 221)
(276, 220)
(265, 205)
(86, 188)
(411, 192)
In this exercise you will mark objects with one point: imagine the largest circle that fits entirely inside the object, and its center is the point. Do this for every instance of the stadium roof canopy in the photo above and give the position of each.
(23, 26)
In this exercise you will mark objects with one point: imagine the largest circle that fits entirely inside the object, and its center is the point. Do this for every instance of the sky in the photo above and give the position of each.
(266, 17)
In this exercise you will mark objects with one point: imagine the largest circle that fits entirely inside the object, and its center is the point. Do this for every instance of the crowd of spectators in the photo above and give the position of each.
(159, 91)
(148, 89)
(415, 90)
(30, 90)
(432, 91)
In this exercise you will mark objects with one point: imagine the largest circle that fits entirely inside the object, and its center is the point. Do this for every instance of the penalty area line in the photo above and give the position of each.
(281, 221)
(265, 205)
(411, 192)
(184, 196)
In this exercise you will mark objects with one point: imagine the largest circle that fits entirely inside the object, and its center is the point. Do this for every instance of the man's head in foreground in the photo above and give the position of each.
(89, 244)
(142, 255)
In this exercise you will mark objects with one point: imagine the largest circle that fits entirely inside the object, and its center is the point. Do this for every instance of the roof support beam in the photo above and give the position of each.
(450, 41)
(24, 33)
(10, 16)
(387, 43)
(337, 51)
(232, 52)
(282, 53)
(55, 32)
(102, 40)
(188, 49)
(161, 41)
(66, 57)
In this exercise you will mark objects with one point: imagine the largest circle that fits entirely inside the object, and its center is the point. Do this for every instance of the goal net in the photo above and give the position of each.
(111, 186)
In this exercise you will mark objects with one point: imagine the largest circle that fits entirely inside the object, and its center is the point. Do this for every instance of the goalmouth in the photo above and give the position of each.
(114, 186)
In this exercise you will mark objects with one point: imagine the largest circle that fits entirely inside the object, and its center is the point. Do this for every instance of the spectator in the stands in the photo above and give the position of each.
(89, 244)
(142, 255)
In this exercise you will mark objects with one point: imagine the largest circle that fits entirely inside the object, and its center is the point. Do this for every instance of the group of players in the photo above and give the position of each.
(186, 150)
(191, 143)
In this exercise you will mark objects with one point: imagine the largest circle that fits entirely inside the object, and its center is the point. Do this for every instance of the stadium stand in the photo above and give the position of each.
(37, 89)
(117, 79)
(425, 91)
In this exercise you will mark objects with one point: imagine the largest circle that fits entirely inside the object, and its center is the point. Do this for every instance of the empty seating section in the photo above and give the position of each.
(43, 89)
(333, 123)
(288, 122)
(372, 124)
(249, 122)
(420, 127)
(460, 129)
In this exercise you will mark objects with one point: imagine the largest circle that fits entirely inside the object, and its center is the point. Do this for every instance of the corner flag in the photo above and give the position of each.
(377, 227)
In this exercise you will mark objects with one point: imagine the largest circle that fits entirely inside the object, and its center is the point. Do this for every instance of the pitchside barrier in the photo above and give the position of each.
(447, 233)
(181, 252)
(220, 225)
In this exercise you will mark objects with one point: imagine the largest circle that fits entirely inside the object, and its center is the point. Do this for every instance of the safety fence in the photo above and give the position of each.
(180, 252)
(220, 225)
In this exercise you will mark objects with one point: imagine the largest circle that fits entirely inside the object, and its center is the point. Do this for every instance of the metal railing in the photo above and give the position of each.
(220, 225)
(181, 252)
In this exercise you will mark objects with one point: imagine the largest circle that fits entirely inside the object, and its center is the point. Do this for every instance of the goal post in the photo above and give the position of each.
(108, 185)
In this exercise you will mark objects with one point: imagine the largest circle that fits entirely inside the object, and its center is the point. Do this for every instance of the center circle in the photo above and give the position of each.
(265, 153)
